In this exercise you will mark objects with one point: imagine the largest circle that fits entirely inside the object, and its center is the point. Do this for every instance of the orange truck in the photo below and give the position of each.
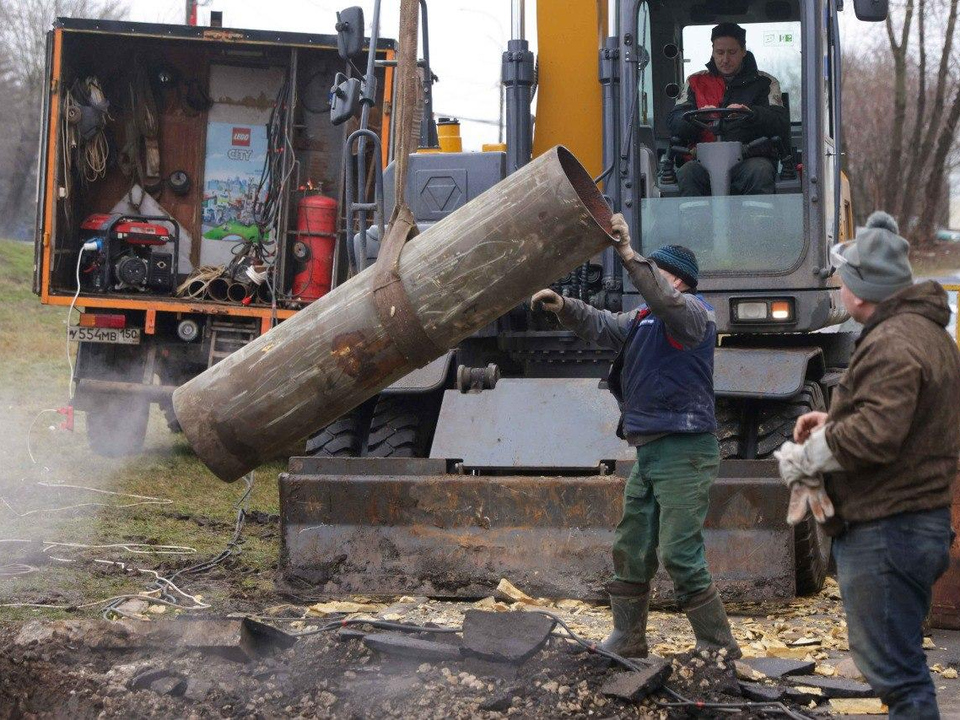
(189, 198)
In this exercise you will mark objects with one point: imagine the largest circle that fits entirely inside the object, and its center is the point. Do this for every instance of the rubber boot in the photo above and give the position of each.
(710, 625)
(629, 603)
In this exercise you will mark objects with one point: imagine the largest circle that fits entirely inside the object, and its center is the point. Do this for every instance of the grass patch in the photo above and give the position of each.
(200, 512)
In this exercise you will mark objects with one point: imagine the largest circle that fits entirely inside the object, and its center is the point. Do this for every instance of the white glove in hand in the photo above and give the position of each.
(801, 467)
(807, 460)
(804, 496)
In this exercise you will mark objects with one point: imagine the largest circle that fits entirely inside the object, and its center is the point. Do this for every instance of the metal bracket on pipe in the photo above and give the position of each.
(394, 308)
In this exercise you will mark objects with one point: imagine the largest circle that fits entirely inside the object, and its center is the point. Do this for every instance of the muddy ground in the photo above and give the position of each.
(86, 667)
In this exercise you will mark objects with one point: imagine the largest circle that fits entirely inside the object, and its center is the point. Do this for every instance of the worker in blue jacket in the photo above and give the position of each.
(663, 380)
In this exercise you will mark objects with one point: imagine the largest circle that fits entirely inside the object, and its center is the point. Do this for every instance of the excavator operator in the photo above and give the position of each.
(733, 81)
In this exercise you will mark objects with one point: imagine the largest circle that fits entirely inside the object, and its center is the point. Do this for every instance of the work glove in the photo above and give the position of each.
(621, 233)
(802, 468)
(809, 494)
(807, 460)
(547, 300)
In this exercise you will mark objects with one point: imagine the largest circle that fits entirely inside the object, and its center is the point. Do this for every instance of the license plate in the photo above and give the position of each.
(119, 336)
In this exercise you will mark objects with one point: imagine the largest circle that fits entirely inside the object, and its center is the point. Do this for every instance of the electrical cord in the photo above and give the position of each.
(165, 591)
(73, 305)
(29, 433)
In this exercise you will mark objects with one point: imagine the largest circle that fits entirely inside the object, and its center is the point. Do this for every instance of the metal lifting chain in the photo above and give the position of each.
(394, 309)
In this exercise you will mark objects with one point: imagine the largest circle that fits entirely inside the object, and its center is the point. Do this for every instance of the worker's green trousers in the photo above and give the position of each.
(664, 506)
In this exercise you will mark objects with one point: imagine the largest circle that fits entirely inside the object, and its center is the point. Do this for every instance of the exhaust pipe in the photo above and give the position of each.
(459, 275)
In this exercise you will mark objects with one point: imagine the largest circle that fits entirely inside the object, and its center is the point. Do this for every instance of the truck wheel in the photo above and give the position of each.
(117, 424)
(811, 543)
(402, 426)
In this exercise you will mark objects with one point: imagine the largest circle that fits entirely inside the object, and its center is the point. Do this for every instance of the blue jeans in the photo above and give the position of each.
(886, 569)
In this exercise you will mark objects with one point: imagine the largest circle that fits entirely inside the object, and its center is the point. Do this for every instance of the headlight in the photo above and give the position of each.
(763, 310)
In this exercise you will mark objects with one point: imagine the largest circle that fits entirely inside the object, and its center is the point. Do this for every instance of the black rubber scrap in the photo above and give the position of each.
(775, 668)
(835, 687)
(409, 647)
(762, 693)
(512, 637)
(632, 686)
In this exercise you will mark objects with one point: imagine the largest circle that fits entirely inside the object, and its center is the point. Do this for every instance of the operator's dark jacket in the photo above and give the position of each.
(894, 424)
(757, 90)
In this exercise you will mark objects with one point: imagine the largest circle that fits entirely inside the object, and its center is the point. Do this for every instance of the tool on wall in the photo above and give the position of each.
(86, 110)
(140, 155)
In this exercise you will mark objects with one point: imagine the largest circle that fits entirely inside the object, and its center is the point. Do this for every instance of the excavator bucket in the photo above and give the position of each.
(390, 526)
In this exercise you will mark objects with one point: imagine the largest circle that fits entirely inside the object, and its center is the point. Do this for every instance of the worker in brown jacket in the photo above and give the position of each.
(888, 451)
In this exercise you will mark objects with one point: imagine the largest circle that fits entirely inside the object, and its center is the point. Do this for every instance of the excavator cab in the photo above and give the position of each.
(499, 459)
(728, 223)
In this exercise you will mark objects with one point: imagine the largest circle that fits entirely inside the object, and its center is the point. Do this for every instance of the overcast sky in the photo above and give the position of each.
(467, 38)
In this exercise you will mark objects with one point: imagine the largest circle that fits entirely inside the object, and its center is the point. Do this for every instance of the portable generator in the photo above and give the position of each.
(124, 253)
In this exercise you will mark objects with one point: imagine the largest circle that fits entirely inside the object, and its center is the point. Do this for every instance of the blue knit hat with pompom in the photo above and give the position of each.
(680, 261)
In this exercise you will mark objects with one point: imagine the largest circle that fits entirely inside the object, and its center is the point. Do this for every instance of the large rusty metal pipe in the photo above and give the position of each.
(460, 274)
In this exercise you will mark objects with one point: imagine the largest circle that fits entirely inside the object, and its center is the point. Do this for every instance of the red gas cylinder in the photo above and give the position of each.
(313, 250)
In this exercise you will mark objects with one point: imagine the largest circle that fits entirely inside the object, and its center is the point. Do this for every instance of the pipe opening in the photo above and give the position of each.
(217, 289)
(585, 188)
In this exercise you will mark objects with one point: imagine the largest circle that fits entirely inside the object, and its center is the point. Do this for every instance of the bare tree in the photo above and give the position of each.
(23, 29)
(928, 126)
(901, 114)
(899, 52)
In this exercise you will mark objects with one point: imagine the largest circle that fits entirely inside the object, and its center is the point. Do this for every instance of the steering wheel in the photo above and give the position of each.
(719, 115)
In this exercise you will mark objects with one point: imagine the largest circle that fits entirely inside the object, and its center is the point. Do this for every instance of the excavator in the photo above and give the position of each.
(500, 459)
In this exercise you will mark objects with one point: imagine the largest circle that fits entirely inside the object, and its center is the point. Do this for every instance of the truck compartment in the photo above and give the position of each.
(188, 160)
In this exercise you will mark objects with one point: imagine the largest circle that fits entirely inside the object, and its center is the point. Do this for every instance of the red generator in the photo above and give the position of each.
(313, 251)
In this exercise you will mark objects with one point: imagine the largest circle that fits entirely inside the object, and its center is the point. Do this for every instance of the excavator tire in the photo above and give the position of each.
(341, 438)
(811, 543)
(402, 426)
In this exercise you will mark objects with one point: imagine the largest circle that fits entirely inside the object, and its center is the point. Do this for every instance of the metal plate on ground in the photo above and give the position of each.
(531, 423)
(117, 336)
(438, 534)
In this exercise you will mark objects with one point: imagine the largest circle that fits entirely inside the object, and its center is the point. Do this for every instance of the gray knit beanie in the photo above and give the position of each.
(874, 265)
